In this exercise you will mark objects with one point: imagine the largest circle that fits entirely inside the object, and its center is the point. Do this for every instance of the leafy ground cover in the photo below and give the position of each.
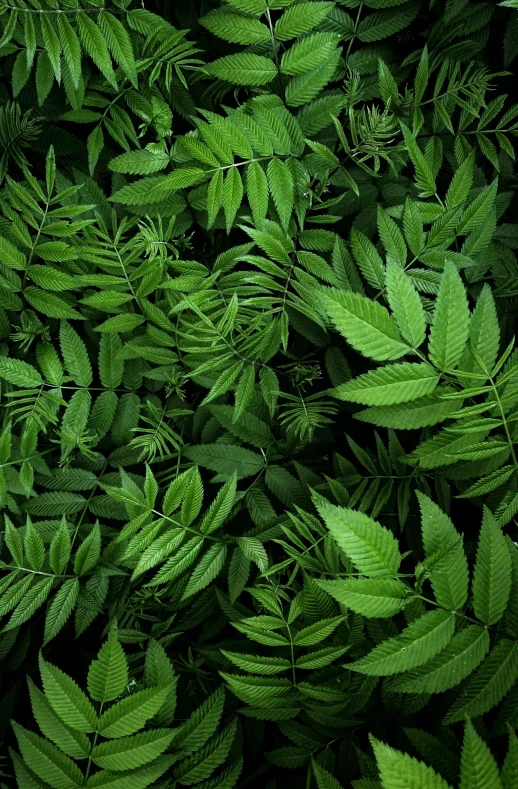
(259, 394)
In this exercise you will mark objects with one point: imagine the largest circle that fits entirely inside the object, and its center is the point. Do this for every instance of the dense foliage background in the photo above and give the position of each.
(259, 394)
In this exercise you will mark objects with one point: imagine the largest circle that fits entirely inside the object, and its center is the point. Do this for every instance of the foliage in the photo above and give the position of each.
(258, 394)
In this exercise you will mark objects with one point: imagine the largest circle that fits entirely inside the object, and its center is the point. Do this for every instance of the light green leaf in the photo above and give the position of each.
(454, 663)
(461, 182)
(73, 743)
(300, 18)
(450, 326)
(417, 643)
(395, 383)
(379, 597)
(478, 769)
(127, 753)
(280, 182)
(489, 684)
(94, 45)
(367, 259)
(405, 304)
(47, 761)
(257, 192)
(142, 162)
(75, 355)
(19, 373)
(398, 769)
(131, 713)
(443, 546)
(308, 53)
(423, 173)
(492, 573)
(372, 548)
(365, 324)
(232, 196)
(226, 459)
(305, 87)
(243, 69)
(60, 609)
(108, 674)
(427, 410)
(235, 28)
(67, 699)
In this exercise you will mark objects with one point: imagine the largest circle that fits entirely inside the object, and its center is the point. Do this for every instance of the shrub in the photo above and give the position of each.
(258, 463)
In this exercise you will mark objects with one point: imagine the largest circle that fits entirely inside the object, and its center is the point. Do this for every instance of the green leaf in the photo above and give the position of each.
(478, 769)
(427, 410)
(258, 664)
(492, 573)
(119, 43)
(315, 634)
(509, 773)
(88, 553)
(413, 227)
(156, 189)
(128, 753)
(235, 28)
(443, 546)
(395, 383)
(73, 743)
(405, 304)
(47, 761)
(201, 724)
(139, 778)
(214, 197)
(372, 548)
(208, 568)
(450, 326)
(51, 44)
(120, 323)
(454, 663)
(323, 778)
(418, 642)
(379, 597)
(489, 684)
(142, 162)
(305, 87)
(75, 355)
(300, 19)
(257, 192)
(386, 22)
(33, 599)
(461, 182)
(66, 698)
(108, 674)
(226, 459)
(19, 373)
(243, 69)
(368, 260)
(478, 210)
(232, 196)
(60, 549)
(131, 713)
(484, 337)
(366, 325)
(280, 182)
(70, 46)
(308, 53)
(60, 609)
(94, 45)
(10, 256)
(400, 769)
(391, 237)
(423, 173)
